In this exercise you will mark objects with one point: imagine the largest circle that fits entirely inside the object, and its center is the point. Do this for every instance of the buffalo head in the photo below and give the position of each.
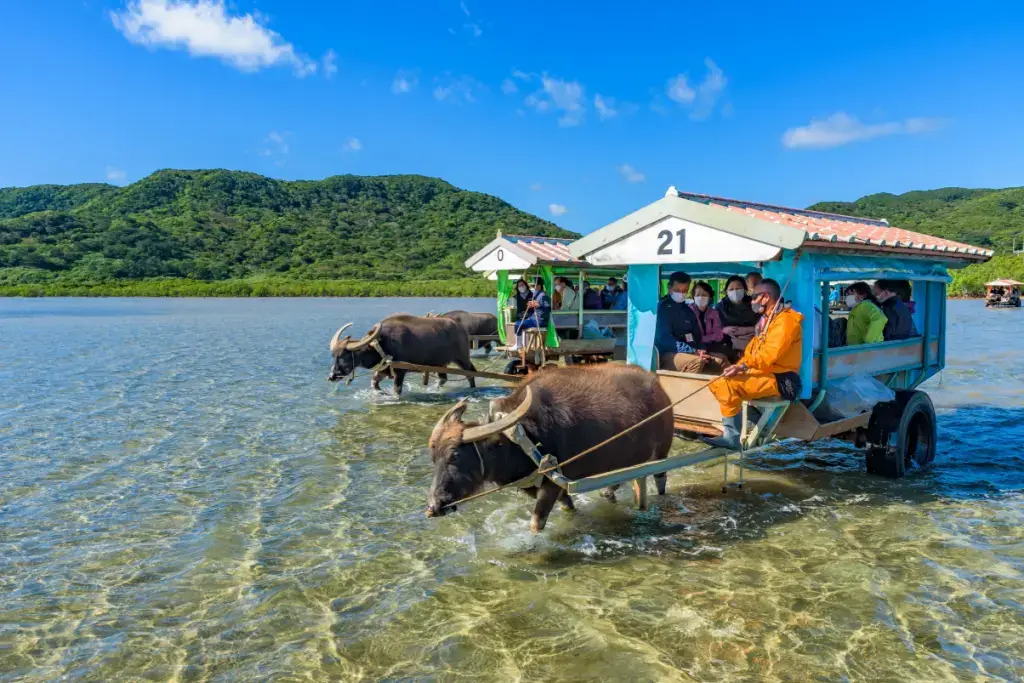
(349, 355)
(465, 455)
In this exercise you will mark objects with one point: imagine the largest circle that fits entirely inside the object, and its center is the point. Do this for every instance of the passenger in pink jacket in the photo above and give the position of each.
(710, 324)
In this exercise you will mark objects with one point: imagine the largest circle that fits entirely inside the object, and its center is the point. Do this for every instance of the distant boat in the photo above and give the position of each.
(1003, 294)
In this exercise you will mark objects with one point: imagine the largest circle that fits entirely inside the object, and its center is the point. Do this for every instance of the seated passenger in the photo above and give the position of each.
(538, 310)
(677, 336)
(710, 324)
(770, 365)
(609, 294)
(564, 297)
(866, 321)
(522, 297)
(622, 298)
(900, 323)
(591, 299)
(753, 280)
(738, 319)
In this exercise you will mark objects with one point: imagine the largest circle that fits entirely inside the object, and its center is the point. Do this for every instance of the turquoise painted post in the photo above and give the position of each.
(643, 314)
(804, 296)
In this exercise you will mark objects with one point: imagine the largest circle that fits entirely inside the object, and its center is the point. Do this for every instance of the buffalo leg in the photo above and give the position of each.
(399, 378)
(608, 492)
(546, 499)
(426, 379)
(466, 365)
(566, 502)
(377, 378)
(660, 480)
(442, 379)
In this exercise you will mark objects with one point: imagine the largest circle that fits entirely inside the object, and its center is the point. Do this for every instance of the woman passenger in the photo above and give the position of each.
(564, 297)
(866, 321)
(522, 298)
(710, 323)
(737, 317)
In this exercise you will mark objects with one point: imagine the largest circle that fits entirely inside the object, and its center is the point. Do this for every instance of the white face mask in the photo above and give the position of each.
(522, 289)
(881, 296)
(559, 287)
(757, 306)
(610, 288)
(851, 300)
(702, 301)
(678, 297)
(736, 295)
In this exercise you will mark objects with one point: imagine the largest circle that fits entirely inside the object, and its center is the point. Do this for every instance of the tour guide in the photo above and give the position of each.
(769, 365)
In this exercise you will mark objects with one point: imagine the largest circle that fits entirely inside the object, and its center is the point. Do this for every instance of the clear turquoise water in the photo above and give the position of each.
(184, 497)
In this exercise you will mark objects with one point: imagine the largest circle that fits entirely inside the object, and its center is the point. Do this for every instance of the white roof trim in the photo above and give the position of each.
(672, 205)
(505, 244)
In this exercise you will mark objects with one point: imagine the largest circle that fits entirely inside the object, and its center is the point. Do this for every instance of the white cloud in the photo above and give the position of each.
(116, 175)
(709, 90)
(352, 145)
(275, 146)
(841, 129)
(536, 187)
(456, 89)
(568, 97)
(508, 86)
(631, 175)
(404, 82)
(703, 98)
(464, 8)
(329, 59)
(679, 91)
(204, 28)
(605, 107)
(557, 209)
(521, 75)
(474, 29)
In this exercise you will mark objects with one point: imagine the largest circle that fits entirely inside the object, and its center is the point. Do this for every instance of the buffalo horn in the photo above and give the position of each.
(454, 413)
(337, 345)
(502, 422)
(365, 341)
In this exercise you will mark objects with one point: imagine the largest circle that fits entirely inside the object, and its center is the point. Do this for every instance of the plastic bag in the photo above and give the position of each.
(858, 394)
(591, 330)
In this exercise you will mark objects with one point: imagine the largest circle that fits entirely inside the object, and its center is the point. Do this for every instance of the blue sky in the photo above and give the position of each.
(578, 112)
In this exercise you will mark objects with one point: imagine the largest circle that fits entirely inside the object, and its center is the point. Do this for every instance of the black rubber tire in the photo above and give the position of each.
(515, 367)
(902, 435)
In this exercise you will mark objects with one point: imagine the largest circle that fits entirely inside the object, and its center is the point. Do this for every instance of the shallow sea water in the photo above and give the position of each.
(183, 497)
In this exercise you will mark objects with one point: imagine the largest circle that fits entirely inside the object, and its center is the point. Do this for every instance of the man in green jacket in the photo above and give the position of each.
(866, 322)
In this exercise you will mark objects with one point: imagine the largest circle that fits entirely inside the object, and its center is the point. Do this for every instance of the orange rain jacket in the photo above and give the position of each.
(778, 349)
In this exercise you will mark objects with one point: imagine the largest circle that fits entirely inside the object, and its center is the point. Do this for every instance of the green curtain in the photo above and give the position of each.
(548, 274)
(505, 287)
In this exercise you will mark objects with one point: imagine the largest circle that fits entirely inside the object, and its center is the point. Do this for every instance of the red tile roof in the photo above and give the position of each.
(836, 230)
(551, 249)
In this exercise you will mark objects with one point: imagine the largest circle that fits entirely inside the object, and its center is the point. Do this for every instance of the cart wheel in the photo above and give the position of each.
(515, 367)
(902, 435)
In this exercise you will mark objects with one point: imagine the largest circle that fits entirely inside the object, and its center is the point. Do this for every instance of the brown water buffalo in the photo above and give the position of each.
(566, 410)
(482, 324)
(425, 341)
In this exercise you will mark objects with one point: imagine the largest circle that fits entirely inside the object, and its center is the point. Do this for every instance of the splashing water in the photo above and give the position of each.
(183, 497)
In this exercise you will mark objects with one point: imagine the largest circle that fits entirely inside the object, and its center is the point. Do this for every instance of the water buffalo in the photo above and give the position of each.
(425, 341)
(566, 410)
(482, 324)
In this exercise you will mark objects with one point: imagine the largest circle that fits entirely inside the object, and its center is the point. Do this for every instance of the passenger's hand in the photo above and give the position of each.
(702, 354)
(731, 330)
(732, 371)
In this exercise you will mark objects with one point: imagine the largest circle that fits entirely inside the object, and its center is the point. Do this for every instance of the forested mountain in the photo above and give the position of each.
(983, 218)
(218, 225)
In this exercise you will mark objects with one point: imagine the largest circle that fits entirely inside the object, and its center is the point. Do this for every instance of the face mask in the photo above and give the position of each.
(678, 297)
(559, 287)
(736, 295)
(702, 301)
(851, 300)
(757, 306)
(522, 290)
(610, 288)
(881, 296)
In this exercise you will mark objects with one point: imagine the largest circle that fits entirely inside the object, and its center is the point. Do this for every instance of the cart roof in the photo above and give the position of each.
(1004, 283)
(752, 231)
(520, 252)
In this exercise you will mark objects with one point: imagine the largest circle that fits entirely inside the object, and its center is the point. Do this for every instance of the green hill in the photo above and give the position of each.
(228, 232)
(983, 218)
